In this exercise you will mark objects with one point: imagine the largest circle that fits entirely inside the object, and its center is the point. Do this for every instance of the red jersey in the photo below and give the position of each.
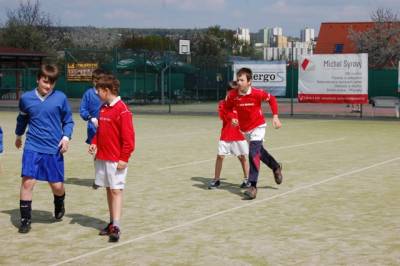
(115, 136)
(248, 107)
(228, 131)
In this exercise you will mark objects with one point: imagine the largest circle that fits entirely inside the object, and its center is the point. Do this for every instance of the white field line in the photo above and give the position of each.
(273, 149)
(195, 221)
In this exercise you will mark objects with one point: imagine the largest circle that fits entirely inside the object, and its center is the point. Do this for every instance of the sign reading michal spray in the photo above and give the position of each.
(326, 78)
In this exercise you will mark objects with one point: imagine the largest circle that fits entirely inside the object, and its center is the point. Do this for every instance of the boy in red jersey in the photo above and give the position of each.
(231, 141)
(113, 144)
(246, 100)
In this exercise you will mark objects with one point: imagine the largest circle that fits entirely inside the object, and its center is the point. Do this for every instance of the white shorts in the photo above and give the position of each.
(107, 174)
(256, 134)
(233, 148)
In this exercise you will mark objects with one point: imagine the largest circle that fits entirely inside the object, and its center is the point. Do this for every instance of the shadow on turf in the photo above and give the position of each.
(38, 216)
(86, 221)
(86, 182)
(231, 187)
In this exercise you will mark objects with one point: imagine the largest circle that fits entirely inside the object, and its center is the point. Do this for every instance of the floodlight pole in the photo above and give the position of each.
(292, 85)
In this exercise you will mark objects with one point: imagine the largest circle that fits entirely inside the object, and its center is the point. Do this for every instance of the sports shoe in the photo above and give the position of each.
(213, 184)
(25, 226)
(59, 211)
(245, 184)
(94, 186)
(114, 234)
(278, 174)
(250, 193)
(106, 231)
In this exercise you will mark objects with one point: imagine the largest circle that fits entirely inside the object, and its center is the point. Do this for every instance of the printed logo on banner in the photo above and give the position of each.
(307, 65)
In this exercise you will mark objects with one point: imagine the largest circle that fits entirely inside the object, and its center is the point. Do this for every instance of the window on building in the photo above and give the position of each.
(338, 48)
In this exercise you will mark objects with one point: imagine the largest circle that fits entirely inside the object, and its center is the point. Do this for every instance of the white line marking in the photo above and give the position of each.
(225, 211)
(273, 149)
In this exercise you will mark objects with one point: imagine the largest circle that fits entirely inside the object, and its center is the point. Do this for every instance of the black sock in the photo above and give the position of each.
(59, 200)
(25, 208)
(253, 184)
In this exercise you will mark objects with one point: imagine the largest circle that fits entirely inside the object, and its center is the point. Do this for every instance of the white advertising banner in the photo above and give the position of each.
(267, 75)
(333, 78)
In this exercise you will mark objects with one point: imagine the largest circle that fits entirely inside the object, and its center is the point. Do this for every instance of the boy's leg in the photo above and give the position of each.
(254, 159)
(25, 203)
(245, 168)
(59, 196)
(270, 161)
(107, 230)
(116, 203)
(217, 173)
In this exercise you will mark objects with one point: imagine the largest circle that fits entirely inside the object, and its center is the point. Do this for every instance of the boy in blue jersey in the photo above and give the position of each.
(90, 106)
(47, 113)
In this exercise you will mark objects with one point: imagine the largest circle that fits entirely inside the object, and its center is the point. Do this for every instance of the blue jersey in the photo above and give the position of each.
(48, 118)
(90, 107)
(1, 140)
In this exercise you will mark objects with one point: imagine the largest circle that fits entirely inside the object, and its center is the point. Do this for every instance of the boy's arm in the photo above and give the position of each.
(273, 104)
(22, 123)
(127, 136)
(66, 120)
(84, 107)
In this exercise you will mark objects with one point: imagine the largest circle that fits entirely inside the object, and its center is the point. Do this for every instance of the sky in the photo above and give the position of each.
(291, 15)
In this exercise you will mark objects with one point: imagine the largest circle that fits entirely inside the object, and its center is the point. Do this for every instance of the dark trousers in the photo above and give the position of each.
(257, 153)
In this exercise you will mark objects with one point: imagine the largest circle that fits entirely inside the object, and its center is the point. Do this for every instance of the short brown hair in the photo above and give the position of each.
(97, 73)
(108, 82)
(245, 71)
(48, 71)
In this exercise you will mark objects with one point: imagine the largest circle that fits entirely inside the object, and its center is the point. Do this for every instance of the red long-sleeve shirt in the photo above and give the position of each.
(228, 131)
(115, 136)
(248, 107)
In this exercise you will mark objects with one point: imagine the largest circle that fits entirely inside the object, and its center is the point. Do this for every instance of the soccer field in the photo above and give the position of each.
(338, 203)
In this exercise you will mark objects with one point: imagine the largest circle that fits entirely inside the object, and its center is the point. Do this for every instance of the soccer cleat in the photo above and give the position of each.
(250, 193)
(114, 234)
(25, 226)
(245, 184)
(213, 184)
(59, 211)
(278, 174)
(106, 231)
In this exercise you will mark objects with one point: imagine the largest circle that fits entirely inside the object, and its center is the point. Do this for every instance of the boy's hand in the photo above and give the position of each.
(94, 121)
(92, 149)
(235, 122)
(18, 142)
(63, 145)
(122, 165)
(275, 122)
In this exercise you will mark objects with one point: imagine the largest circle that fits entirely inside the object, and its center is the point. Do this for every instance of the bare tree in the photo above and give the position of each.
(27, 27)
(381, 41)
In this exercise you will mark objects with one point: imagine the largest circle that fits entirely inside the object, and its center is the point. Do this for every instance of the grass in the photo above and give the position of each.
(338, 204)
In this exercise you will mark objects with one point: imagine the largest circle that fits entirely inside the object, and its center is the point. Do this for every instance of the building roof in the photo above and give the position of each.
(332, 34)
(10, 51)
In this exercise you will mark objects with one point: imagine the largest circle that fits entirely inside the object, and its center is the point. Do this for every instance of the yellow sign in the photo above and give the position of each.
(80, 71)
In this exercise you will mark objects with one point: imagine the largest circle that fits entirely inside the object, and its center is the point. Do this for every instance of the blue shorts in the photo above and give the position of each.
(43, 166)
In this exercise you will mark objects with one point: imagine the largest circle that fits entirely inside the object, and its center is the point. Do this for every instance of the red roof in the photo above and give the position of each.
(10, 51)
(333, 33)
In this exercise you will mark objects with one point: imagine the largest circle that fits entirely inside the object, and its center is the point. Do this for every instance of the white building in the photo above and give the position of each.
(243, 34)
(307, 35)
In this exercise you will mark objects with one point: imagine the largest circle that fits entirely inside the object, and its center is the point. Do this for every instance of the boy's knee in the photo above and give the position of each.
(220, 157)
(242, 158)
(28, 183)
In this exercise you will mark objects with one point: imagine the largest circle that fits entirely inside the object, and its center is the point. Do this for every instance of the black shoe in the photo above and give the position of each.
(94, 186)
(245, 184)
(25, 226)
(278, 174)
(106, 231)
(59, 211)
(213, 184)
(114, 234)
